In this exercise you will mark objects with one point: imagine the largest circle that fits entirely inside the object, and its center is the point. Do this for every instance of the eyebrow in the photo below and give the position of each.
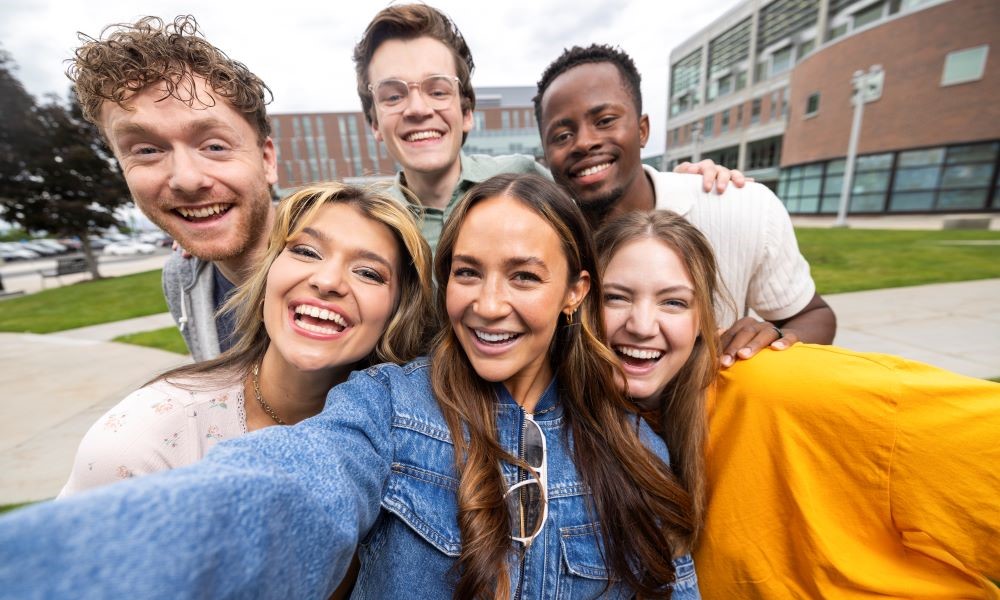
(567, 121)
(516, 261)
(667, 290)
(194, 126)
(360, 252)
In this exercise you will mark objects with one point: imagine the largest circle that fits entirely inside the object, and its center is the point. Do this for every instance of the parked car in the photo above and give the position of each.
(11, 251)
(97, 243)
(129, 247)
(53, 244)
(39, 248)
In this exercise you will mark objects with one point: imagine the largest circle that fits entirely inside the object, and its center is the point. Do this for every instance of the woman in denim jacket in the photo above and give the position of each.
(506, 466)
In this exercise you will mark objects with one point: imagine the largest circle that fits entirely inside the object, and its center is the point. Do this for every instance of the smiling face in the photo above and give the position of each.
(592, 135)
(332, 290)
(508, 283)
(650, 314)
(198, 172)
(424, 140)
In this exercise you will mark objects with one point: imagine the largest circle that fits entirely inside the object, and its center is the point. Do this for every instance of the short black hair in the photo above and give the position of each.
(594, 53)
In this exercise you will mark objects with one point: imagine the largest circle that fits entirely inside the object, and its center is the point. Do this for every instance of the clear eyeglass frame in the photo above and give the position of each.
(393, 95)
(535, 488)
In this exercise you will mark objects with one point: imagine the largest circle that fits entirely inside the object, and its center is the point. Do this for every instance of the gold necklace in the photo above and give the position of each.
(260, 399)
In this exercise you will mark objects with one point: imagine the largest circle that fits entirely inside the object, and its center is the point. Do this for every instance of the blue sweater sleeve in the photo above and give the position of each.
(274, 514)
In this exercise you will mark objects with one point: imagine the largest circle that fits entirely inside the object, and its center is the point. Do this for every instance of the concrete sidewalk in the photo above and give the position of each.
(56, 386)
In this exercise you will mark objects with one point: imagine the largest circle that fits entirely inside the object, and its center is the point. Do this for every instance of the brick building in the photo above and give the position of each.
(767, 88)
(340, 145)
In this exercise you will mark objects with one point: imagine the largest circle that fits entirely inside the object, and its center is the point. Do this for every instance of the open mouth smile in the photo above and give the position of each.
(419, 136)
(637, 357)
(203, 213)
(319, 320)
(593, 170)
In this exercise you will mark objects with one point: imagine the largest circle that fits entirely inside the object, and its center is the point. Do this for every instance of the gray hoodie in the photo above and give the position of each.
(187, 284)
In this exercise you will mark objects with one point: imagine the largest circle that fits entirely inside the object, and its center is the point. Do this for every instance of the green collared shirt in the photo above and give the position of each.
(476, 168)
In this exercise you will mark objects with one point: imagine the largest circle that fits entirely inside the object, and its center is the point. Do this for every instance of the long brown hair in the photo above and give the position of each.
(406, 335)
(681, 410)
(644, 514)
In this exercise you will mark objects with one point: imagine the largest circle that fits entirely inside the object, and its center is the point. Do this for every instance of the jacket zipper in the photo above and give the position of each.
(521, 476)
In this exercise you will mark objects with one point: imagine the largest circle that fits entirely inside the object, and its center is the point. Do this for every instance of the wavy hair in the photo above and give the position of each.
(406, 335)
(128, 58)
(644, 515)
(680, 413)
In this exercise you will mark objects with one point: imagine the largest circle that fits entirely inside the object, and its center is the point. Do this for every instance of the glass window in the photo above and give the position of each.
(813, 170)
(830, 203)
(966, 65)
(724, 123)
(873, 181)
(868, 15)
(755, 111)
(810, 186)
(812, 104)
(809, 204)
(956, 199)
(835, 166)
(505, 119)
(974, 175)
(904, 201)
(834, 184)
(972, 153)
(867, 202)
(916, 158)
(708, 127)
(781, 61)
(925, 178)
(838, 31)
(874, 161)
(805, 48)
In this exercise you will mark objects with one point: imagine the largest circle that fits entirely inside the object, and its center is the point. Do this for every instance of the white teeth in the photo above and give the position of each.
(593, 169)
(319, 313)
(317, 328)
(494, 337)
(640, 354)
(423, 135)
(205, 211)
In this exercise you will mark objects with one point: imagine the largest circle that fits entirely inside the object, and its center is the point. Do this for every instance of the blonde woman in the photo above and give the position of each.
(345, 283)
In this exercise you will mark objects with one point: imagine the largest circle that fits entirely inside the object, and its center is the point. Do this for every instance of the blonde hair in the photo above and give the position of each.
(406, 335)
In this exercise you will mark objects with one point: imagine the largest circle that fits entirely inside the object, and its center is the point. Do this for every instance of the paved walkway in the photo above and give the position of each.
(55, 386)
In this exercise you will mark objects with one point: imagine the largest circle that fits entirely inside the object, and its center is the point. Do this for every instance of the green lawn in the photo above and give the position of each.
(847, 260)
(168, 338)
(85, 303)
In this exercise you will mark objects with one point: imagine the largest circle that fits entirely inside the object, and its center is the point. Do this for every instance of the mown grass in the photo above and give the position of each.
(847, 260)
(85, 303)
(168, 338)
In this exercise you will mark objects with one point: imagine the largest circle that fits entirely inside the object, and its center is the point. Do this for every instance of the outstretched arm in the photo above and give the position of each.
(273, 514)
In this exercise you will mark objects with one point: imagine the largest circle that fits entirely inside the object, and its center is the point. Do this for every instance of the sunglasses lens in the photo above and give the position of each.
(525, 507)
(534, 447)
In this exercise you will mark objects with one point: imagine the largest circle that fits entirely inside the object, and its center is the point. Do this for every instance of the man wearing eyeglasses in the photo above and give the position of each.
(414, 73)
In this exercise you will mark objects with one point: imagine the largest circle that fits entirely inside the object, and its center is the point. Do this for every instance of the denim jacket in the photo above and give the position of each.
(279, 512)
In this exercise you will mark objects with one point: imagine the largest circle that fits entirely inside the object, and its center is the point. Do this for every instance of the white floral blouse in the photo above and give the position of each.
(157, 427)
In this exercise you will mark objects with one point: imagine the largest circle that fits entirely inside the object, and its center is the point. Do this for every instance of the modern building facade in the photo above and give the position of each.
(767, 88)
(341, 146)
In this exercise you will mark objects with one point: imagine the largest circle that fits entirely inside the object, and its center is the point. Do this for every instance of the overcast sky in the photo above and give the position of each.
(302, 49)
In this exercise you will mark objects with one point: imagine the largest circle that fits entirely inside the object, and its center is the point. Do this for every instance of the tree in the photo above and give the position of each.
(56, 175)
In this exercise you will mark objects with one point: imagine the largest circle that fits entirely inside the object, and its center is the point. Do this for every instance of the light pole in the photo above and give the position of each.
(696, 138)
(867, 88)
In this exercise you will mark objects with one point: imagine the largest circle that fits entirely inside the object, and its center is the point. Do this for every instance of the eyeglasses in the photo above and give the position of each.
(393, 95)
(528, 501)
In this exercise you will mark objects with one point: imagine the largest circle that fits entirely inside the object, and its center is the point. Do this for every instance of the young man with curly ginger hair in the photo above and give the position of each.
(189, 128)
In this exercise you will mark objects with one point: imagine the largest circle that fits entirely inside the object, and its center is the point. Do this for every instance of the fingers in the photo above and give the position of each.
(746, 338)
(788, 338)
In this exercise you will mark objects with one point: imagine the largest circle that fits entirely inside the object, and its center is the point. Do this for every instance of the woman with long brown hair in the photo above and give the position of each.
(508, 465)
(825, 473)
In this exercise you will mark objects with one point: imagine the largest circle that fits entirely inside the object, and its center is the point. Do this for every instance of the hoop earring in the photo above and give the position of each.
(569, 316)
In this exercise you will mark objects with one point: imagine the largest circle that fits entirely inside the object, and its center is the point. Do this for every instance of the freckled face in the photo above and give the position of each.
(650, 315)
(198, 172)
(332, 290)
(509, 281)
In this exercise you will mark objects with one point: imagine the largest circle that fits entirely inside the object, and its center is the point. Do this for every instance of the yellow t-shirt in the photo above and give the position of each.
(837, 474)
